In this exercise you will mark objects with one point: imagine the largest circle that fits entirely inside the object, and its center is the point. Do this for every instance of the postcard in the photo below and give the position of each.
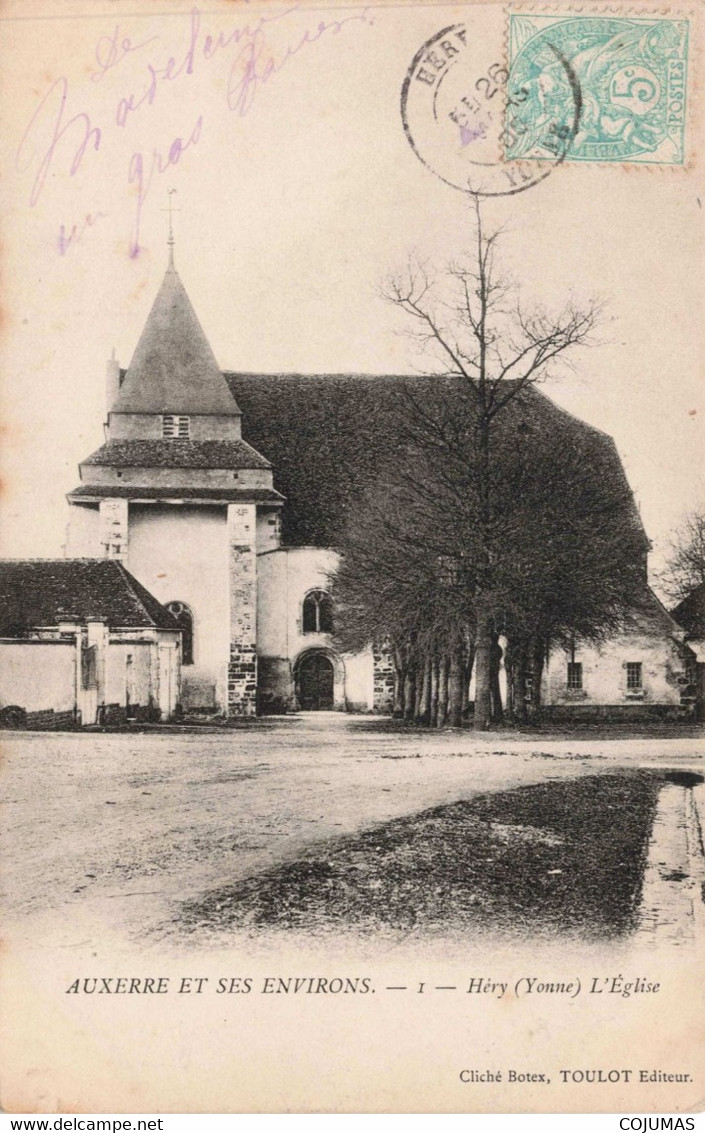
(351, 695)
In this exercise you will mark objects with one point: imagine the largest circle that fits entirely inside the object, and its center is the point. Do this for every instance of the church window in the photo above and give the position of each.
(176, 426)
(634, 675)
(318, 612)
(575, 674)
(184, 618)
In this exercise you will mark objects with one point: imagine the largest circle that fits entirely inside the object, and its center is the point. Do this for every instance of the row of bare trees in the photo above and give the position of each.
(493, 520)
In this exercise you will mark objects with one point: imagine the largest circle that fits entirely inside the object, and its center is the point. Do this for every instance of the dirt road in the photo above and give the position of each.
(115, 830)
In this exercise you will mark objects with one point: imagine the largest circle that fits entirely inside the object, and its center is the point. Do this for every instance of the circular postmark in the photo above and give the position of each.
(476, 126)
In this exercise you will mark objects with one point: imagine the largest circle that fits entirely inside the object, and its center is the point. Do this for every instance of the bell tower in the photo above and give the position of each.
(178, 496)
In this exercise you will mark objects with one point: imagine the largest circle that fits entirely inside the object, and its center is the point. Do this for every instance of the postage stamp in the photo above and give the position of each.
(632, 77)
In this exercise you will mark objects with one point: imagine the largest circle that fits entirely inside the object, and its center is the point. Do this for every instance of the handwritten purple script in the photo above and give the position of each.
(60, 138)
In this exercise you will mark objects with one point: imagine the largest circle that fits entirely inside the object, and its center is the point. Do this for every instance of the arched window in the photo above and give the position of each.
(184, 617)
(318, 612)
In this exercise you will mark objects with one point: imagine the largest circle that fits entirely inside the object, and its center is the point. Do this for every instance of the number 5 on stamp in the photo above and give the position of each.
(631, 75)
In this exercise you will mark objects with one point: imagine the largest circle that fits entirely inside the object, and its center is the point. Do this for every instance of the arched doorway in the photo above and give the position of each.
(315, 679)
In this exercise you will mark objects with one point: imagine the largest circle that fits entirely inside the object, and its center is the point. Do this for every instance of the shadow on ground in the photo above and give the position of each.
(563, 857)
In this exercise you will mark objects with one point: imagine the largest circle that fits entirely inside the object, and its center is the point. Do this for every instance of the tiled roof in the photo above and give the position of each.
(173, 369)
(217, 495)
(178, 454)
(44, 592)
(329, 437)
(690, 613)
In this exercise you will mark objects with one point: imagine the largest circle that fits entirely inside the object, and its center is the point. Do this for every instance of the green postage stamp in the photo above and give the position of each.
(598, 88)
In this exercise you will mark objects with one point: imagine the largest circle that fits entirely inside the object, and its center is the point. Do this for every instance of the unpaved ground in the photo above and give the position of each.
(118, 830)
(547, 860)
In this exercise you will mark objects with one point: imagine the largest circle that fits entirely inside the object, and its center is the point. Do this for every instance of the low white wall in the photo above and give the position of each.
(38, 676)
(359, 681)
(140, 673)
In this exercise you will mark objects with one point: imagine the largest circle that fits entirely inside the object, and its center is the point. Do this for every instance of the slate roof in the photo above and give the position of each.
(329, 437)
(175, 453)
(690, 613)
(173, 369)
(43, 592)
(217, 495)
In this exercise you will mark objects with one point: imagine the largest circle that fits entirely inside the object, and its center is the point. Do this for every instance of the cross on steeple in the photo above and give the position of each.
(170, 242)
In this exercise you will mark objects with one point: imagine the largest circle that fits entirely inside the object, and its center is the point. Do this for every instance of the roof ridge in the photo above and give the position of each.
(130, 581)
(567, 413)
(55, 559)
(127, 577)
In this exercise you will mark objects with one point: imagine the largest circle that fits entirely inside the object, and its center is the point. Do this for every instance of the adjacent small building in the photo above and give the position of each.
(83, 642)
(639, 672)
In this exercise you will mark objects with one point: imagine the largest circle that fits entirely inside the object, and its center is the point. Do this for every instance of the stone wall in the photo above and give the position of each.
(242, 557)
(50, 721)
(113, 529)
(383, 680)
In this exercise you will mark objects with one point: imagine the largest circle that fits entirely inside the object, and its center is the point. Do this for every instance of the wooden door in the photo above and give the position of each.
(316, 683)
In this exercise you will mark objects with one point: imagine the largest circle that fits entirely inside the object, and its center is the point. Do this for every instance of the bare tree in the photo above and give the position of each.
(566, 549)
(472, 328)
(685, 564)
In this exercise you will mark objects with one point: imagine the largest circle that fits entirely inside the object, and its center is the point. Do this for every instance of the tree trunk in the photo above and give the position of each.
(467, 677)
(409, 694)
(442, 691)
(455, 687)
(433, 710)
(399, 674)
(517, 664)
(483, 666)
(518, 690)
(509, 663)
(538, 648)
(398, 707)
(424, 714)
(495, 691)
(418, 697)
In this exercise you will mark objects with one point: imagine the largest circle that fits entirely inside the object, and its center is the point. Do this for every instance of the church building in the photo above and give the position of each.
(225, 494)
(190, 508)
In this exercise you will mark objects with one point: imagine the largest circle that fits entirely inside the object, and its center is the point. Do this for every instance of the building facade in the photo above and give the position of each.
(225, 494)
(189, 507)
(640, 672)
(82, 642)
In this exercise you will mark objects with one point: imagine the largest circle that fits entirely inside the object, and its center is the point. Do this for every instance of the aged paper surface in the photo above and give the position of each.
(307, 166)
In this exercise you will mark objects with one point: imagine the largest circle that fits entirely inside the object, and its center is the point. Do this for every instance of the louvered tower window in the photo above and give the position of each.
(176, 426)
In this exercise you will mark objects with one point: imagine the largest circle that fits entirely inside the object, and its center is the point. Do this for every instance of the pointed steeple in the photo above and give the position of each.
(173, 369)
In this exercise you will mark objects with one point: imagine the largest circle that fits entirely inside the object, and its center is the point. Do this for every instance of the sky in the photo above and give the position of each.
(297, 195)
